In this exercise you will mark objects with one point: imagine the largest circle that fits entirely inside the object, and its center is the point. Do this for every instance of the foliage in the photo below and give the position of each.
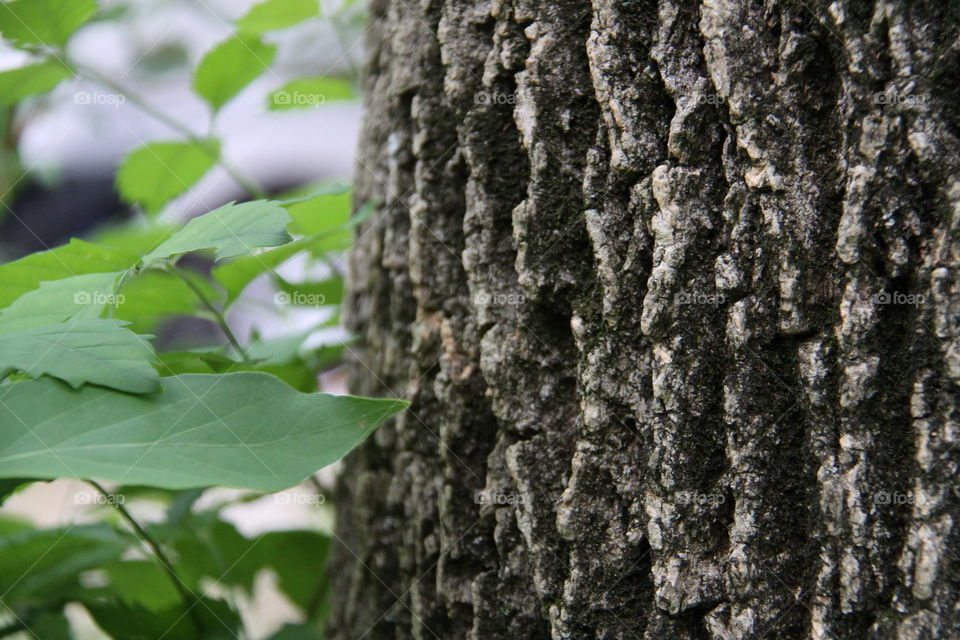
(87, 392)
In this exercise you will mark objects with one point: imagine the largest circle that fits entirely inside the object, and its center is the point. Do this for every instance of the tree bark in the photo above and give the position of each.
(673, 288)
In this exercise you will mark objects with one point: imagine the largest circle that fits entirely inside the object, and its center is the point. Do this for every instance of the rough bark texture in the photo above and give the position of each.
(673, 287)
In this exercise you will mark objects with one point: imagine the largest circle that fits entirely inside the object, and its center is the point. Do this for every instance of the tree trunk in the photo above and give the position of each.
(673, 288)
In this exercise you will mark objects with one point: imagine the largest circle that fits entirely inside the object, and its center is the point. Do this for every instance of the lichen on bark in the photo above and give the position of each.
(673, 289)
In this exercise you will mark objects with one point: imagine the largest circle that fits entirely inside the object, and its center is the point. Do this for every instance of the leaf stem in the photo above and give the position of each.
(189, 599)
(245, 183)
(212, 308)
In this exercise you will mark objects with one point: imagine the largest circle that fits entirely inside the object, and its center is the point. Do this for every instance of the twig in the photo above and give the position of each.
(189, 599)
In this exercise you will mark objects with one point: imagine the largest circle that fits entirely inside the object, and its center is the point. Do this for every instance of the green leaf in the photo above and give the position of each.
(237, 274)
(326, 218)
(310, 294)
(230, 67)
(139, 623)
(17, 84)
(43, 22)
(296, 374)
(94, 351)
(305, 93)
(76, 298)
(211, 548)
(155, 295)
(142, 583)
(37, 562)
(244, 430)
(74, 259)
(155, 174)
(277, 14)
(231, 230)
(325, 212)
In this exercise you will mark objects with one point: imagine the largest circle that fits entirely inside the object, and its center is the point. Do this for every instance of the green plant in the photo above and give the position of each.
(85, 393)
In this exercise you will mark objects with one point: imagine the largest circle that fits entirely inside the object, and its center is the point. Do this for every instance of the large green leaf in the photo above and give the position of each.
(36, 562)
(17, 84)
(230, 67)
(43, 22)
(231, 230)
(86, 351)
(245, 430)
(155, 174)
(74, 298)
(277, 14)
(305, 93)
(74, 259)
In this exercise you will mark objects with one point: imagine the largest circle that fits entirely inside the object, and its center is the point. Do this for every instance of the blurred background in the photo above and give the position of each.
(58, 161)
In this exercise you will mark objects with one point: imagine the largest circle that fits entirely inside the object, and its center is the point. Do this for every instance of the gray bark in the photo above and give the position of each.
(673, 288)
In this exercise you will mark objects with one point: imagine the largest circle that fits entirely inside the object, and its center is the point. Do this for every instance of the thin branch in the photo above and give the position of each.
(212, 308)
(189, 599)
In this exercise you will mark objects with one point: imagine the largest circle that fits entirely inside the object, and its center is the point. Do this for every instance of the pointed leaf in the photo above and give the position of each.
(76, 298)
(233, 229)
(156, 173)
(17, 84)
(244, 430)
(230, 67)
(43, 22)
(35, 562)
(277, 14)
(87, 351)
(74, 259)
